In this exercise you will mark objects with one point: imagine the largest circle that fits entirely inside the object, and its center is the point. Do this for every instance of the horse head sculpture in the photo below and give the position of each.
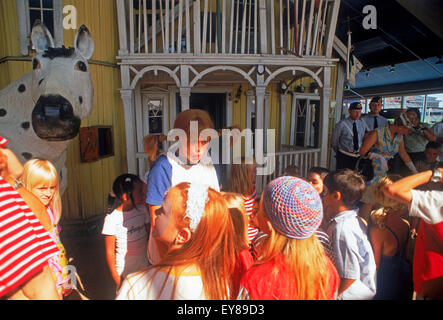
(41, 112)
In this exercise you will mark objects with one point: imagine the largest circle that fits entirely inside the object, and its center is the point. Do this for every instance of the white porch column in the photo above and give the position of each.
(128, 104)
(283, 101)
(259, 124)
(185, 89)
(324, 116)
(185, 94)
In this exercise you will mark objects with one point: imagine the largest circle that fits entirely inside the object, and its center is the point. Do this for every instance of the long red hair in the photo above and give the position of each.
(211, 247)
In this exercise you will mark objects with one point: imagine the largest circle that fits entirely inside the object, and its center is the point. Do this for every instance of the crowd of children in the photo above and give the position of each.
(173, 234)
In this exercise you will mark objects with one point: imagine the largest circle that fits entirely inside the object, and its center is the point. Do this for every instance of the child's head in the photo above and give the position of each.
(195, 222)
(242, 176)
(236, 207)
(388, 204)
(195, 148)
(290, 213)
(129, 190)
(151, 145)
(292, 171)
(342, 188)
(41, 178)
(316, 175)
(432, 151)
(292, 207)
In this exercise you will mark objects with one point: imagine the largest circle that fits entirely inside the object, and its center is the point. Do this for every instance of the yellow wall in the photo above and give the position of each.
(9, 42)
(90, 183)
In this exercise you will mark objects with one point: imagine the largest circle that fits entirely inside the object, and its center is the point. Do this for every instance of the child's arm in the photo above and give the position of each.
(344, 284)
(401, 190)
(375, 237)
(40, 287)
(110, 259)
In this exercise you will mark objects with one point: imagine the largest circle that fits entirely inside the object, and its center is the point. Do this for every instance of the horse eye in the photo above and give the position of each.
(35, 64)
(81, 66)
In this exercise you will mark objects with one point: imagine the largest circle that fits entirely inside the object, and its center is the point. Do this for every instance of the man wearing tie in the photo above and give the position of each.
(373, 119)
(347, 138)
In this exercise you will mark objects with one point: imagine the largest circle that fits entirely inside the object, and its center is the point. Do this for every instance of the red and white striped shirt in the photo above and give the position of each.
(3, 141)
(249, 206)
(25, 246)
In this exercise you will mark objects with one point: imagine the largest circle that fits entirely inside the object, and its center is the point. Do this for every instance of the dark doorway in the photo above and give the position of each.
(213, 103)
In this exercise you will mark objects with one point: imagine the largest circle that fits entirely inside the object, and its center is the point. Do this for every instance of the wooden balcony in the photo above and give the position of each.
(234, 31)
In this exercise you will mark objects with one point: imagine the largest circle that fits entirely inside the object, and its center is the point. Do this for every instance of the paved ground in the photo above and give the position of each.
(84, 243)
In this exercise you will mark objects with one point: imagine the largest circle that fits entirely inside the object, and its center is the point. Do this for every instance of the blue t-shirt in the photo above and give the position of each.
(159, 181)
(160, 177)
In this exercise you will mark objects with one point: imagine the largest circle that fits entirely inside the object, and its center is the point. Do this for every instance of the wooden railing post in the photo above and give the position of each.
(332, 26)
(196, 20)
(123, 33)
(263, 27)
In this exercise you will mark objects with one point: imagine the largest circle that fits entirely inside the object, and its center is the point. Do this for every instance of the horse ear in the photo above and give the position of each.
(84, 43)
(41, 37)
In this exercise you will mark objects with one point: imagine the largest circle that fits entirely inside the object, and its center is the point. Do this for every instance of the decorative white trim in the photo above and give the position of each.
(284, 69)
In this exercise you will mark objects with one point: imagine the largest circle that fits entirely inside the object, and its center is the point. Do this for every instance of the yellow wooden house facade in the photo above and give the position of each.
(264, 69)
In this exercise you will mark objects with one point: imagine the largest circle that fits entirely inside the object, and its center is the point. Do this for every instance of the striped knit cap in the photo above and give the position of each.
(293, 206)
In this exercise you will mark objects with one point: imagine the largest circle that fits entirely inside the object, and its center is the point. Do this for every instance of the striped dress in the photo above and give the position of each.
(25, 246)
(249, 206)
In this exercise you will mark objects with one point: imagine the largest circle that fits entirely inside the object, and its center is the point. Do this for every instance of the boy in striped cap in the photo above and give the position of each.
(25, 246)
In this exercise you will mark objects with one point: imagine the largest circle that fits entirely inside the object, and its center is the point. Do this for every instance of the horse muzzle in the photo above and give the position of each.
(53, 119)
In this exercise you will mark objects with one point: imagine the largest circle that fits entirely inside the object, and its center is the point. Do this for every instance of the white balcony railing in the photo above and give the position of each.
(277, 27)
(303, 159)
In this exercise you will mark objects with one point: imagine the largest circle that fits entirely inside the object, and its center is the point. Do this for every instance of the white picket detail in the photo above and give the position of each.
(175, 26)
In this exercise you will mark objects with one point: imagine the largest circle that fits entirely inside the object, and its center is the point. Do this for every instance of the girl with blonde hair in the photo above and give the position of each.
(196, 227)
(389, 237)
(242, 181)
(290, 213)
(41, 178)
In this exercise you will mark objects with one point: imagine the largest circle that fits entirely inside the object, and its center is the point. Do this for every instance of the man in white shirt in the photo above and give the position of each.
(373, 119)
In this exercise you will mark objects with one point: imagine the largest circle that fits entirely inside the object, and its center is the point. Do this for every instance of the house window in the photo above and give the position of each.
(42, 10)
(48, 11)
(155, 116)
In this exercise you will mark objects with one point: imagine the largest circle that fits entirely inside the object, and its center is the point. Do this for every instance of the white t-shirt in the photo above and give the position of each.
(427, 205)
(131, 238)
(156, 284)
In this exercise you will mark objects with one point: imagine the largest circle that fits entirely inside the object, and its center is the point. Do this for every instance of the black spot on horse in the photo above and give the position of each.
(80, 99)
(27, 155)
(40, 82)
(25, 125)
(3, 112)
(21, 88)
